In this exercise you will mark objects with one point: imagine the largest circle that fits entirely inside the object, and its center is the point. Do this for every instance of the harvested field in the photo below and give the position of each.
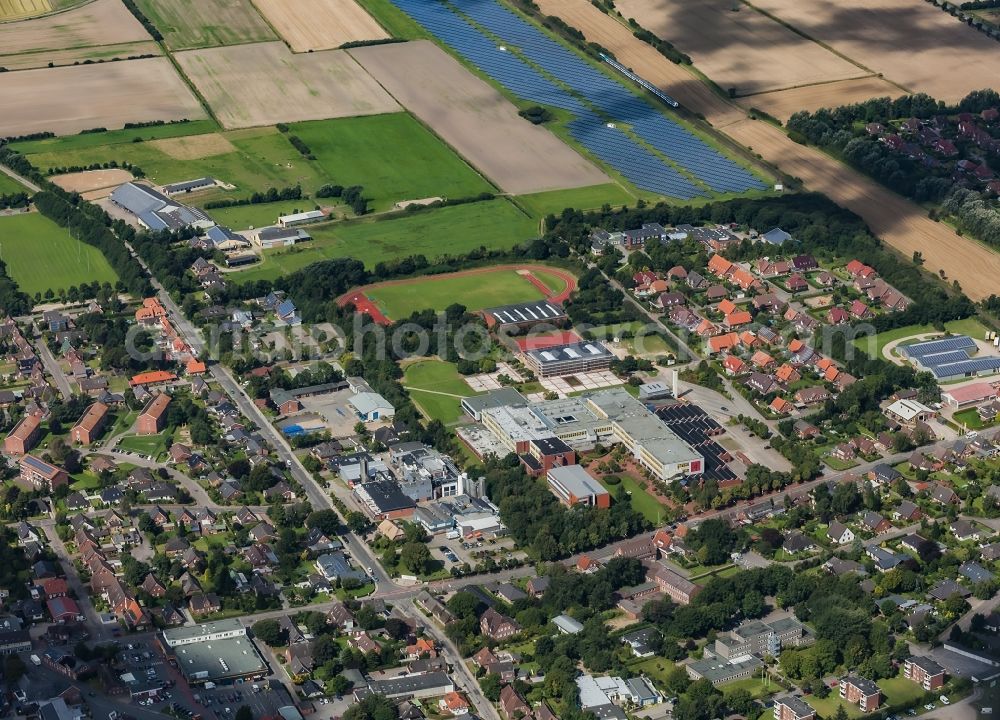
(90, 181)
(14, 9)
(264, 83)
(785, 103)
(187, 24)
(102, 22)
(913, 44)
(70, 99)
(745, 50)
(70, 56)
(320, 24)
(195, 147)
(476, 120)
(900, 223)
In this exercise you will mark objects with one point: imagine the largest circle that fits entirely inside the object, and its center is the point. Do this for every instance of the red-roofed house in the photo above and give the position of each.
(24, 436)
(720, 343)
(738, 318)
(719, 266)
(734, 365)
(781, 406)
(860, 311)
(762, 360)
(89, 427)
(837, 316)
(153, 416)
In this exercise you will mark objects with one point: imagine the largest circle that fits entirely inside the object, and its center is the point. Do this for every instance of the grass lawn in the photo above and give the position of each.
(366, 151)
(553, 282)
(187, 24)
(969, 326)
(253, 159)
(10, 186)
(970, 419)
(437, 388)
(754, 685)
(149, 445)
(641, 501)
(395, 21)
(899, 690)
(837, 463)
(42, 256)
(433, 233)
(655, 667)
(85, 481)
(439, 291)
(592, 197)
(827, 707)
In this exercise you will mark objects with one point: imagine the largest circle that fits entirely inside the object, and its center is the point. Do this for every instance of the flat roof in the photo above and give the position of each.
(576, 481)
(495, 398)
(585, 350)
(219, 659)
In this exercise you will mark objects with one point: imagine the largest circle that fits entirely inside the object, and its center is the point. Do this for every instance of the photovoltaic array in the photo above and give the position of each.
(590, 95)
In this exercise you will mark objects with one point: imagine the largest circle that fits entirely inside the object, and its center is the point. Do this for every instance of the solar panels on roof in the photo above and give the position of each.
(525, 313)
(967, 367)
(958, 342)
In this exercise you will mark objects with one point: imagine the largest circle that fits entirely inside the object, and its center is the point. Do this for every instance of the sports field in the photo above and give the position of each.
(249, 159)
(433, 233)
(393, 156)
(187, 24)
(475, 292)
(42, 256)
(437, 389)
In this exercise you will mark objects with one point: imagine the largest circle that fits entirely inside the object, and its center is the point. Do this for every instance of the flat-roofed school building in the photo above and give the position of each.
(559, 360)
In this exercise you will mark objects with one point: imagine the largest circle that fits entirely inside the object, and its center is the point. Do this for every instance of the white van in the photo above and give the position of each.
(452, 534)
(35, 660)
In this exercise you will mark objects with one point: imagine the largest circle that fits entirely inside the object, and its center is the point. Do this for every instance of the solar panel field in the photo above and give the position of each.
(651, 151)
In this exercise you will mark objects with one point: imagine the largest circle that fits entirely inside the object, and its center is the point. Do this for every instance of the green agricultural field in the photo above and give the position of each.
(438, 292)
(10, 186)
(187, 24)
(244, 217)
(437, 388)
(433, 233)
(395, 21)
(252, 160)
(42, 256)
(969, 326)
(68, 143)
(392, 156)
(585, 198)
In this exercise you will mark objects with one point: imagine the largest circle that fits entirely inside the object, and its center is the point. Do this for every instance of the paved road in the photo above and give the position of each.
(52, 367)
(98, 630)
(317, 496)
(23, 180)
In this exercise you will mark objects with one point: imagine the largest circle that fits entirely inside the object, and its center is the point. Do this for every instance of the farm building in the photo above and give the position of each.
(302, 218)
(222, 238)
(273, 237)
(156, 211)
(202, 183)
(968, 395)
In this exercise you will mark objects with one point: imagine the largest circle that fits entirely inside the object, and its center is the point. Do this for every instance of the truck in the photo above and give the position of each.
(452, 535)
(35, 660)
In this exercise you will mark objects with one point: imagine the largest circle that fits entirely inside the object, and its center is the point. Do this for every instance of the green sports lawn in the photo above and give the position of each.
(442, 231)
(261, 158)
(42, 256)
(476, 292)
(392, 156)
(437, 388)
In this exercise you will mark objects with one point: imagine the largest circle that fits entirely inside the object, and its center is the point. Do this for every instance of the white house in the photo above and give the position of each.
(840, 533)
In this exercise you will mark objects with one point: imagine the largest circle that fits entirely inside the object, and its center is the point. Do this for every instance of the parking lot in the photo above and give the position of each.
(223, 703)
(474, 551)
